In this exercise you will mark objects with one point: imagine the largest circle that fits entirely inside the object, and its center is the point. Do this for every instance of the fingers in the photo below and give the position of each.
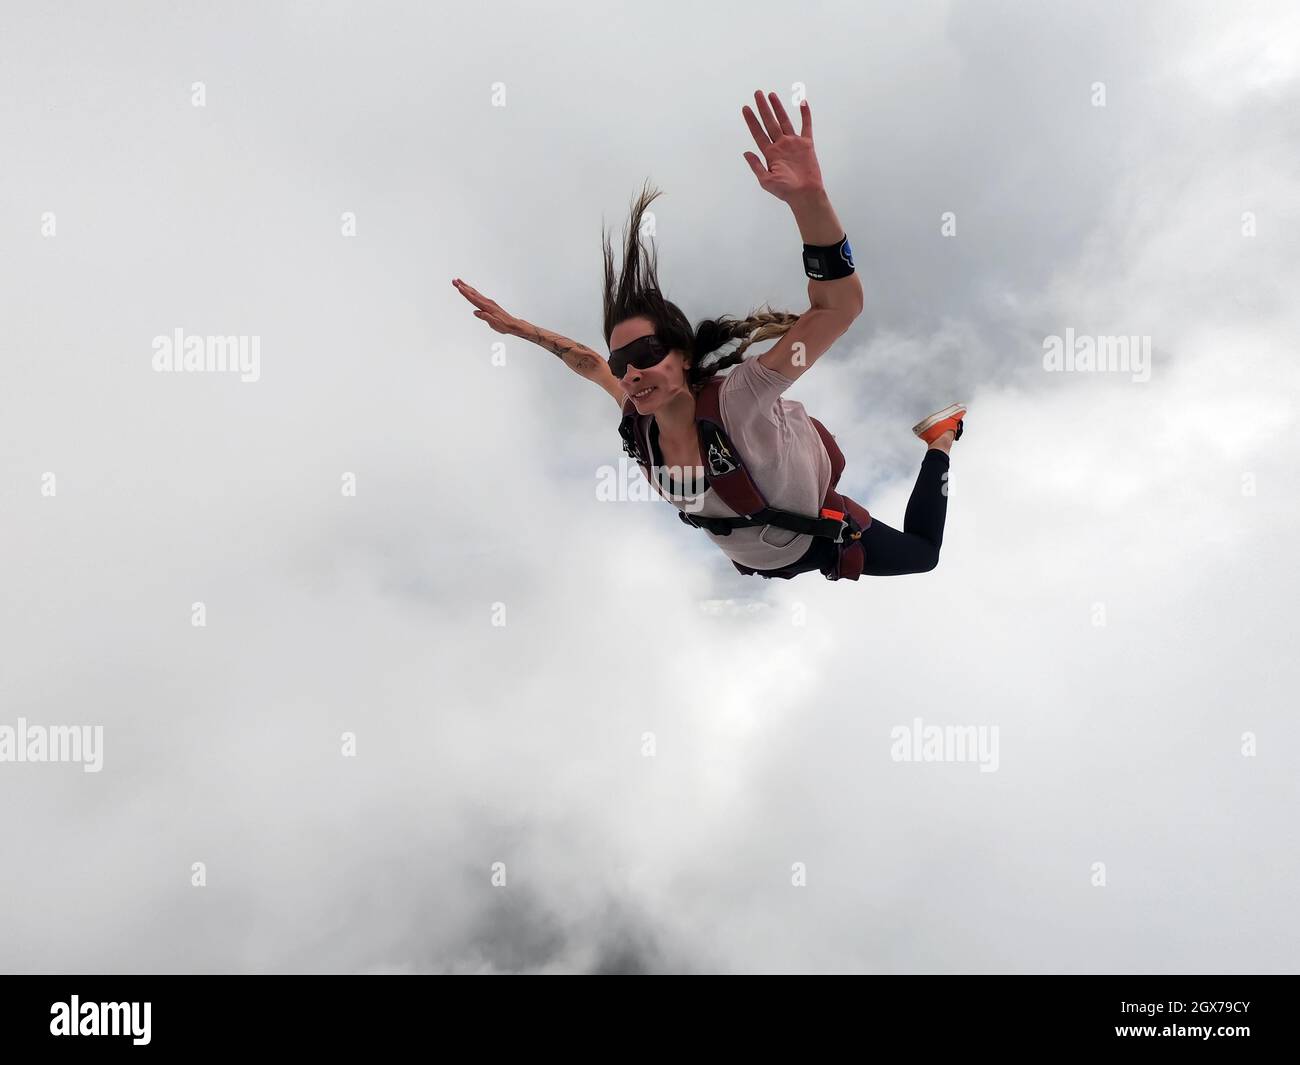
(782, 118)
(760, 138)
(465, 290)
(473, 295)
(769, 120)
(775, 121)
(487, 310)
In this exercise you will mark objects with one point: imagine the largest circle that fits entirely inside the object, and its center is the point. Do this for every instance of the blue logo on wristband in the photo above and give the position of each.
(847, 253)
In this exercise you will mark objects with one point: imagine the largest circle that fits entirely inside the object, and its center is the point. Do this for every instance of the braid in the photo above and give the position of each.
(764, 324)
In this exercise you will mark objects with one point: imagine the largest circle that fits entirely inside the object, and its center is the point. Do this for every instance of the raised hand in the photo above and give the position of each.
(489, 310)
(791, 168)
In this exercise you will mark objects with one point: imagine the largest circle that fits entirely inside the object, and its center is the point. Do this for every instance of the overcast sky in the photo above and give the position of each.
(1162, 743)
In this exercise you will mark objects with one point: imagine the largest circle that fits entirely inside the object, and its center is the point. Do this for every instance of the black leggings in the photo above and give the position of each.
(888, 552)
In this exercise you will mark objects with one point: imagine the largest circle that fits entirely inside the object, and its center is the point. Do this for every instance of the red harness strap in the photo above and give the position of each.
(850, 556)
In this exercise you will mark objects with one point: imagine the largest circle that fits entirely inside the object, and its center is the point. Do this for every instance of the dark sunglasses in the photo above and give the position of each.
(642, 353)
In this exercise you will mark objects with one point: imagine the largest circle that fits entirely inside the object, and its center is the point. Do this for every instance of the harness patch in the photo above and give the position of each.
(720, 460)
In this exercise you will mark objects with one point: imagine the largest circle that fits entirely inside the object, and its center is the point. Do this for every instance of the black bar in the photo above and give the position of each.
(919, 1014)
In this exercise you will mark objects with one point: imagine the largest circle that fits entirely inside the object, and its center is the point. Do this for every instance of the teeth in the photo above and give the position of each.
(645, 392)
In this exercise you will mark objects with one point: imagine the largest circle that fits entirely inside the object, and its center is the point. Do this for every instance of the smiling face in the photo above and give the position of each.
(652, 387)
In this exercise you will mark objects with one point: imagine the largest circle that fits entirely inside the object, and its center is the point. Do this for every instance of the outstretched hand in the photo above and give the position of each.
(791, 168)
(488, 310)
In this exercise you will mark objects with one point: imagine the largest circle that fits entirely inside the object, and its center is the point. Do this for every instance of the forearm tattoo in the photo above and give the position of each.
(576, 356)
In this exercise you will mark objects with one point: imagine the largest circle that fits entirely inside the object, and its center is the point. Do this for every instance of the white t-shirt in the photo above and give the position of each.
(784, 455)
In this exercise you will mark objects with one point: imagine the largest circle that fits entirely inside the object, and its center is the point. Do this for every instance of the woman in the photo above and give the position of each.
(749, 467)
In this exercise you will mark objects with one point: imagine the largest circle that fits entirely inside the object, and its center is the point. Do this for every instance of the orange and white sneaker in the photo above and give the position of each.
(947, 420)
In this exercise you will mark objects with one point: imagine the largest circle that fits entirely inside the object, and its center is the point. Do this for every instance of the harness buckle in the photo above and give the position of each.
(846, 523)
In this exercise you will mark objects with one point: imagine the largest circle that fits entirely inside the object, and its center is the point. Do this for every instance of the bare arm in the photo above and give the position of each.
(832, 305)
(818, 224)
(579, 358)
(790, 172)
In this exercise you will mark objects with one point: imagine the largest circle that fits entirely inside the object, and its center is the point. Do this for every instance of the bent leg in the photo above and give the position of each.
(890, 553)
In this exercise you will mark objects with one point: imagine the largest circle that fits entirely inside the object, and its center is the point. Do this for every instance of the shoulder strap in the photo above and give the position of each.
(726, 469)
(636, 442)
(630, 430)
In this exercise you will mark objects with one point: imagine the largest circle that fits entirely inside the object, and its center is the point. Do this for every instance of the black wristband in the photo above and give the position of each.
(830, 262)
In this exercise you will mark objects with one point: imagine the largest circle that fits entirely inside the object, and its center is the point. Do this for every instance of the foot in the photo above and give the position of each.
(948, 420)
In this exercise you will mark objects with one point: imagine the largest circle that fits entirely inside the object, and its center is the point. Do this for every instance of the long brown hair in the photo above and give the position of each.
(634, 292)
